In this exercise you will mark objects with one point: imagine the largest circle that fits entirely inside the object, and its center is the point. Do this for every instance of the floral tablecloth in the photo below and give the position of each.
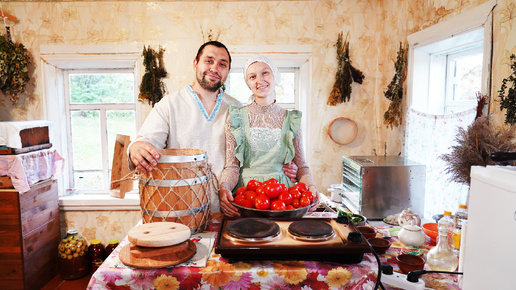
(219, 273)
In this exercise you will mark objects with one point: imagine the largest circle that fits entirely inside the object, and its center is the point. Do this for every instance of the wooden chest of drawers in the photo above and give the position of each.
(29, 236)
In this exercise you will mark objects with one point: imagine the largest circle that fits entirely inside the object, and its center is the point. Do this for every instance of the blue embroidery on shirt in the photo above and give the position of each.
(199, 103)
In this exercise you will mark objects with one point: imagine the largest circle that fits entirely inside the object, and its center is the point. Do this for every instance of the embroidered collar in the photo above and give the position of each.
(199, 103)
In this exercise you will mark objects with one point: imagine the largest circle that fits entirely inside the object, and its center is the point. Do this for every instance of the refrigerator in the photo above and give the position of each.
(489, 248)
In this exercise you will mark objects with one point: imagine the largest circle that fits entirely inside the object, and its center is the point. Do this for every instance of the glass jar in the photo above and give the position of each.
(451, 226)
(96, 253)
(72, 256)
(460, 216)
(441, 257)
(112, 244)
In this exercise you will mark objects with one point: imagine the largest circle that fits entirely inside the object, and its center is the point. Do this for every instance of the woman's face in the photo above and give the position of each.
(260, 79)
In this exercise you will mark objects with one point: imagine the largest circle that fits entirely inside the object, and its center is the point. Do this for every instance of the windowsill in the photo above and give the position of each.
(89, 202)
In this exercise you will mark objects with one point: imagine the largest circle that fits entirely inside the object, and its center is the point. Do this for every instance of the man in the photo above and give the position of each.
(192, 117)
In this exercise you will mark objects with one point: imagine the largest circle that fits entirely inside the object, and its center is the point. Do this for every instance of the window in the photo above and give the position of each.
(90, 97)
(100, 104)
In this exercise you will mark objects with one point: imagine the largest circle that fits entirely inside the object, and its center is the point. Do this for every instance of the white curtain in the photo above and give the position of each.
(427, 137)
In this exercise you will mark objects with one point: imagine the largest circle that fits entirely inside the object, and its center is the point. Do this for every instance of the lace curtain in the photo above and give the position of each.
(427, 137)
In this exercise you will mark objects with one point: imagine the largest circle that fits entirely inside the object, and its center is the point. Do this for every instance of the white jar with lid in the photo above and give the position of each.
(412, 235)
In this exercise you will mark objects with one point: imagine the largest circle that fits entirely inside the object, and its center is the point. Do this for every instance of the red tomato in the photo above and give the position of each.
(273, 190)
(247, 203)
(262, 189)
(250, 195)
(295, 203)
(285, 197)
(272, 181)
(239, 198)
(278, 205)
(294, 192)
(308, 194)
(301, 187)
(284, 187)
(253, 185)
(241, 190)
(304, 201)
(262, 202)
(289, 207)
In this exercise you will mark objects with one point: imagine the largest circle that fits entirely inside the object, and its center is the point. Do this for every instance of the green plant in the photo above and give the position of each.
(14, 68)
(346, 74)
(394, 92)
(508, 101)
(152, 87)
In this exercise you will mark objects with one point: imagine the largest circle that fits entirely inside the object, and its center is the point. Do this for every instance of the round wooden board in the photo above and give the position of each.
(158, 234)
(154, 258)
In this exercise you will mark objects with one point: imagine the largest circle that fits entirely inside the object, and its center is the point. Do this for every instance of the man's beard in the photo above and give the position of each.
(212, 87)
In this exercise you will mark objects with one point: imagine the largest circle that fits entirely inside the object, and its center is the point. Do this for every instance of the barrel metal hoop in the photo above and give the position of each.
(175, 213)
(173, 183)
(182, 158)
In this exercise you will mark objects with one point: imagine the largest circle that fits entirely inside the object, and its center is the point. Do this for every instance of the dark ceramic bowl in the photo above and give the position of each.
(379, 245)
(367, 232)
(409, 263)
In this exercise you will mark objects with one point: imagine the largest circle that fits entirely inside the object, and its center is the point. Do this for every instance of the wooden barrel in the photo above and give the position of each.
(178, 189)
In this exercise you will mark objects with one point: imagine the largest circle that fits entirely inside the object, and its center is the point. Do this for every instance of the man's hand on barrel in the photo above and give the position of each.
(144, 155)
(226, 207)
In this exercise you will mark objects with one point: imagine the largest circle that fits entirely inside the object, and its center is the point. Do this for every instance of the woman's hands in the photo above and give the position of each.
(226, 197)
(291, 171)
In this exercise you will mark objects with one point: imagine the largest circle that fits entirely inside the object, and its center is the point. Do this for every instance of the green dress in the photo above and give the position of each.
(262, 152)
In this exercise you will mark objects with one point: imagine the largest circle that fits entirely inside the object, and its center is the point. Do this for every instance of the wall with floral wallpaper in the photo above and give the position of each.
(375, 30)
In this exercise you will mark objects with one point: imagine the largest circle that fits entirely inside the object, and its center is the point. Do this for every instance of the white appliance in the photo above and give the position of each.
(489, 252)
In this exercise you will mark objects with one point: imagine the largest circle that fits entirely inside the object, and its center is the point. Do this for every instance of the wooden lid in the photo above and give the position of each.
(159, 234)
(154, 258)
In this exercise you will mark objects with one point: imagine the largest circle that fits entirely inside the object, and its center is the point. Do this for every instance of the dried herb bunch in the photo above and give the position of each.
(474, 147)
(394, 92)
(346, 74)
(508, 101)
(14, 68)
(152, 87)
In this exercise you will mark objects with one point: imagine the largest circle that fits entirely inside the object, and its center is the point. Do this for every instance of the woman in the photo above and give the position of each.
(261, 137)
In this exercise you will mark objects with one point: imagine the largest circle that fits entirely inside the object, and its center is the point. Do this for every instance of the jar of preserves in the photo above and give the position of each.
(112, 244)
(96, 253)
(72, 256)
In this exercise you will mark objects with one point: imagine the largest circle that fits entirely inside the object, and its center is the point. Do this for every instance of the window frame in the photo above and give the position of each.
(418, 89)
(56, 62)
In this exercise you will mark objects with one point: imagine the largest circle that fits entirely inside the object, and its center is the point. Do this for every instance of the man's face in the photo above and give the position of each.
(213, 68)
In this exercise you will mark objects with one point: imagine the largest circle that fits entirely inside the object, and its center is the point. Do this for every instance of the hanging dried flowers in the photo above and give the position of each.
(394, 92)
(508, 101)
(346, 74)
(152, 87)
(474, 147)
(14, 68)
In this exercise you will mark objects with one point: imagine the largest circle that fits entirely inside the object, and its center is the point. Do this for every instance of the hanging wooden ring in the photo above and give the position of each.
(343, 130)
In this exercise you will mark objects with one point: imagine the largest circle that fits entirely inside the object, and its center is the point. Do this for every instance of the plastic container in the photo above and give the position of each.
(112, 244)
(460, 216)
(441, 257)
(72, 256)
(96, 253)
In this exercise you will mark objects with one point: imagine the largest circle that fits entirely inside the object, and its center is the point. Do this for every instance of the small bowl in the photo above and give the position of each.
(430, 230)
(360, 223)
(409, 263)
(367, 232)
(379, 245)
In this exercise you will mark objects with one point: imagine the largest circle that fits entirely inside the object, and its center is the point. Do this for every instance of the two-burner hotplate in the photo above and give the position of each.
(304, 239)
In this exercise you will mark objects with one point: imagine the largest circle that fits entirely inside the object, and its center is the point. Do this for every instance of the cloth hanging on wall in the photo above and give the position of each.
(427, 137)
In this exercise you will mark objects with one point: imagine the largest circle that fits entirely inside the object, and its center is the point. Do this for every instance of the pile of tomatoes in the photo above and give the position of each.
(272, 195)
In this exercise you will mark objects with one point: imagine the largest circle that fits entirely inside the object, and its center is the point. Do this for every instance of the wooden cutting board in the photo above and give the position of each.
(154, 258)
(158, 234)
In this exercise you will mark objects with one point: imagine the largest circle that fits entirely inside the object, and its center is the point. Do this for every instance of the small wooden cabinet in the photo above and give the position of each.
(29, 236)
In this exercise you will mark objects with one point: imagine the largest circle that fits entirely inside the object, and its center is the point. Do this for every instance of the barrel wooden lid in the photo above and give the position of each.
(159, 234)
(154, 258)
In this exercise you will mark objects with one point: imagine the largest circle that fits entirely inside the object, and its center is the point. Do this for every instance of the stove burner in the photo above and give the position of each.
(311, 230)
(253, 229)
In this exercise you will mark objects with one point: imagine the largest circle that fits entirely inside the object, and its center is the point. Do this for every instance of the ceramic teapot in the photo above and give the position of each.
(408, 217)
